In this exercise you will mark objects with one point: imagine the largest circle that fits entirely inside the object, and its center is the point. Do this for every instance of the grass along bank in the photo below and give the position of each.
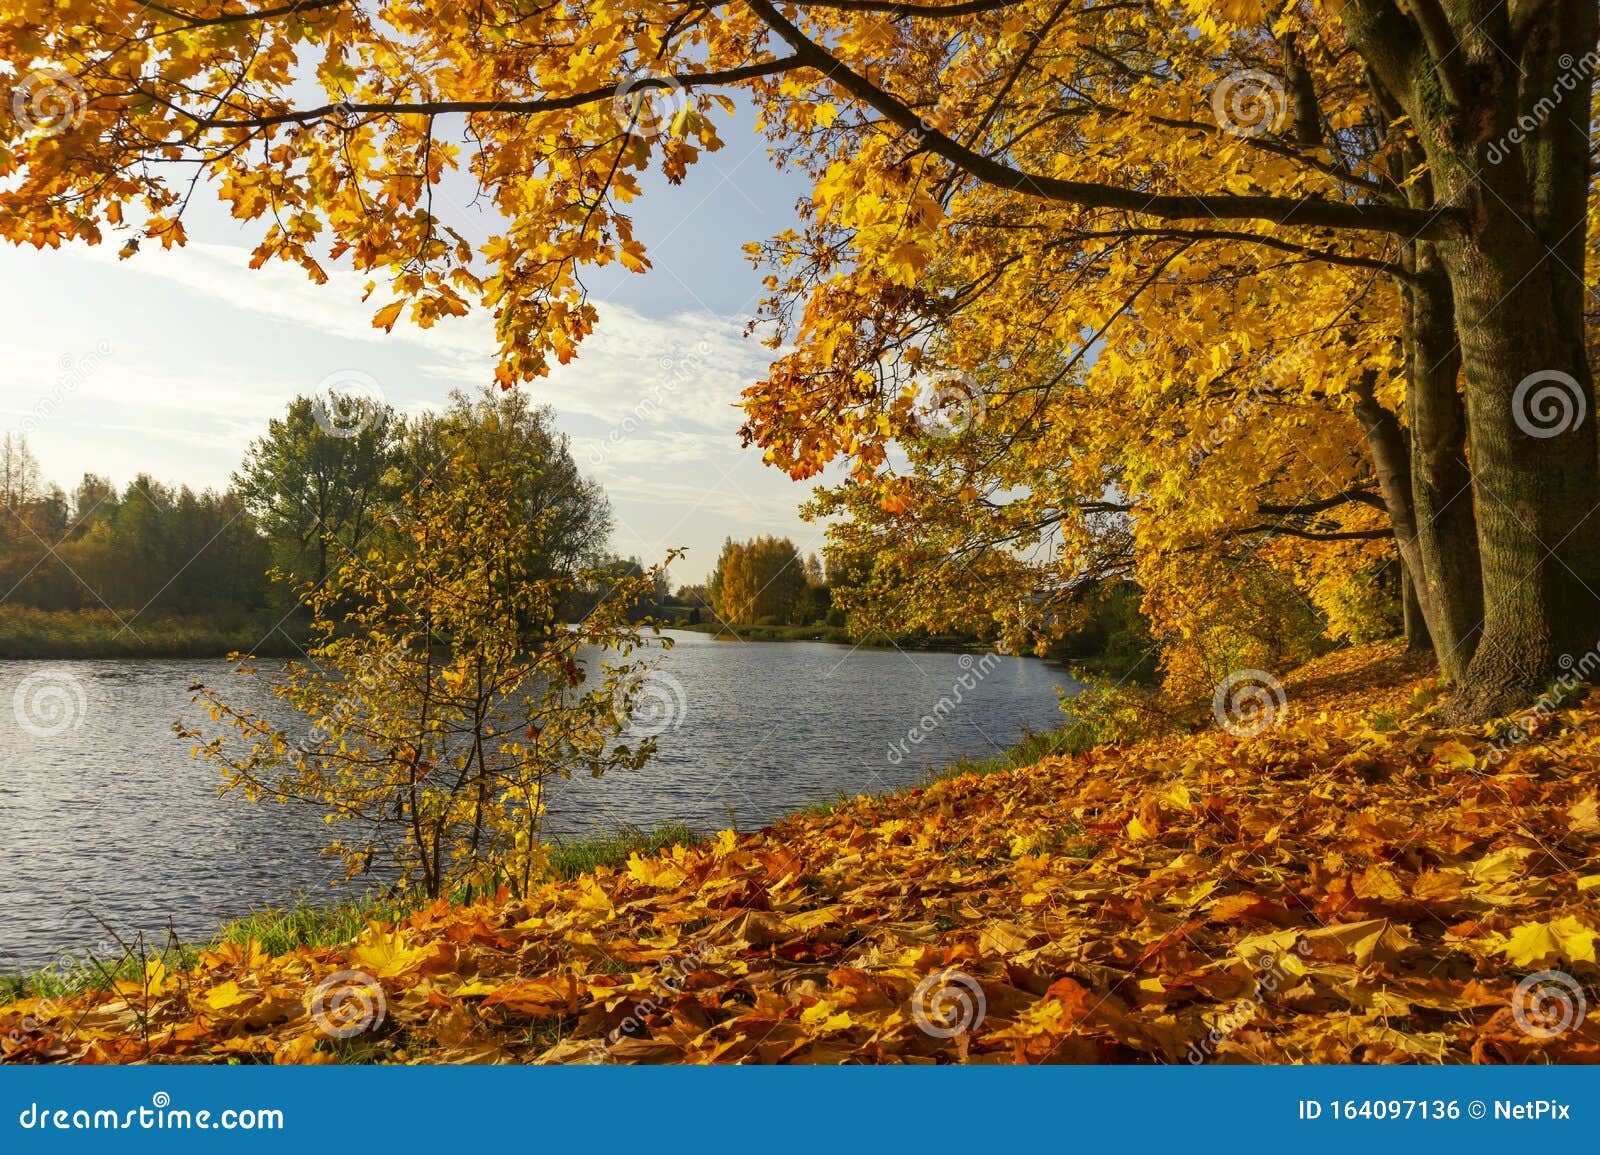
(1348, 882)
(1353, 882)
(1102, 716)
(29, 633)
(307, 923)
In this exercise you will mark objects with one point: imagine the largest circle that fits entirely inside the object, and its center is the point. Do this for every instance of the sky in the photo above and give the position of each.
(171, 362)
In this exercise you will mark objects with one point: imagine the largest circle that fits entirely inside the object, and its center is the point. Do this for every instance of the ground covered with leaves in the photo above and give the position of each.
(1352, 885)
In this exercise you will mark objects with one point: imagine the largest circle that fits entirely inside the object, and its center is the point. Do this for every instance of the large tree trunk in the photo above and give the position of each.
(1517, 276)
(1506, 143)
(1386, 446)
(1427, 482)
(1535, 474)
(1426, 490)
(1418, 640)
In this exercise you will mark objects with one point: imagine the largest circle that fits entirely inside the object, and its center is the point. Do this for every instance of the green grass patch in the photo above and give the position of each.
(568, 859)
(26, 632)
(306, 923)
(283, 929)
(1070, 739)
(826, 806)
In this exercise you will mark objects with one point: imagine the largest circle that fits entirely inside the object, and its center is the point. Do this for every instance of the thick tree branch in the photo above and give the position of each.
(1313, 535)
(1325, 256)
(920, 11)
(1362, 496)
(1308, 212)
(1387, 41)
(298, 8)
(1443, 48)
(687, 80)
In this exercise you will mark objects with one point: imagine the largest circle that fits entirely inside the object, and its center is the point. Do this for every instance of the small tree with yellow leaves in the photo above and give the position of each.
(444, 692)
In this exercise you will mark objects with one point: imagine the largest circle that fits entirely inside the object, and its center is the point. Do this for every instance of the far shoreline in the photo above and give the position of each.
(28, 634)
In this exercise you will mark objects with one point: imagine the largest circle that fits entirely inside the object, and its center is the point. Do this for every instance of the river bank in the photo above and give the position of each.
(1353, 882)
(306, 922)
(98, 789)
(32, 634)
(309, 924)
(834, 634)
(1139, 669)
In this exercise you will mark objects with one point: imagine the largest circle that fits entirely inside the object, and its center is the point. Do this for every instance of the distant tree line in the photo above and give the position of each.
(145, 546)
(764, 582)
(318, 487)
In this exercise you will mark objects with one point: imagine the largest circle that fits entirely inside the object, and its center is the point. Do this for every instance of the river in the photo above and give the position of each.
(109, 822)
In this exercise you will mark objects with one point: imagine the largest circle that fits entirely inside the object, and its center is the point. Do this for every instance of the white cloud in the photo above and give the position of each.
(204, 350)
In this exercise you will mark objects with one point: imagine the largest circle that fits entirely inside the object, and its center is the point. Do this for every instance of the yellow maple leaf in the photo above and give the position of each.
(655, 872)
(384, 955)
(385, 317)
(226, 995)
(1534, 942)
(822, 1017)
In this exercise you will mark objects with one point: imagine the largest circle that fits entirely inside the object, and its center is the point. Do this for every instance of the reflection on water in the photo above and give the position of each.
(106, 816)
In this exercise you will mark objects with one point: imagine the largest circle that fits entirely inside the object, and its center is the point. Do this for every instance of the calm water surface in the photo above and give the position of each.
(109, 819)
